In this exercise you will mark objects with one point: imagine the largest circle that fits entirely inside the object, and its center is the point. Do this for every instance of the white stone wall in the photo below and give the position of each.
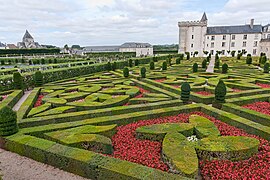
(265, 47)
(139, 51)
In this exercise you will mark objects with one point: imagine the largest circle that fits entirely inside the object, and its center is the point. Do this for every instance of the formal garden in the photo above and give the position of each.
(160, 117)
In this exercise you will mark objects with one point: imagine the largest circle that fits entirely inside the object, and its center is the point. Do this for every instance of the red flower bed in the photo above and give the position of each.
(4, 97)
(160, 80)
(142, 91)
(204, 93)
(237, 90)
(262, 107)
(263, 85)
(176, 86)
(148, 153)
(39, 101)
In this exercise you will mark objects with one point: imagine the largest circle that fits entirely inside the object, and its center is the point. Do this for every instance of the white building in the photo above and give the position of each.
(141, 49)
(2, 46)
(28, 42)
(196, 36)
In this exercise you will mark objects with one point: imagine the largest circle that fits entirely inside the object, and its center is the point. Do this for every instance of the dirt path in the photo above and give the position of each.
(16, 167)
(211, 66)
(20, 102)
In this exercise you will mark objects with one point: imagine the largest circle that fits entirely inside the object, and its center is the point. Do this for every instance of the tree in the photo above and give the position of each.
(188, 55)
(38, 79)
(249, 59)
(266, 68)
(152, 65)
(164, 66)
(42, 61)
(130, 63)
(217, 63)
(220, 92)
(8, 121)
(178, 61)
(195, 67)
(204, 63)
(114, 66)
(263, 59)
(225, 68)
(18, 80)
(126, 72)
(143, 72)
(185, 92)
(109, 66)
(136, 62)
(181, 56)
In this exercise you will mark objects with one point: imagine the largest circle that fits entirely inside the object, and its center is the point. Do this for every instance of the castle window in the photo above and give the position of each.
(268, 36)
(207, 37)
(223, 52)
(223, 44)
(245, 37)
(254, 51)
(233, 44)
(224, 37)
(192, 45)
(212, 38)
(233, 37)
(255, 43)
(244, 44)
(212, 52)
(192, 37)
(212, 45)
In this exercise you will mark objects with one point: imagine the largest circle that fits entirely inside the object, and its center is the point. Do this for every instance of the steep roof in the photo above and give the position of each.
(27, 35)
(234, 29)
(204, 17)
(135, 45)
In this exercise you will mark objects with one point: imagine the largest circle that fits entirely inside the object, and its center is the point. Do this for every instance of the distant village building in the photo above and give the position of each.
(141, 49)
(11, 46)
(2, 46)
(196, 36)
(97, 49)
(28, 42)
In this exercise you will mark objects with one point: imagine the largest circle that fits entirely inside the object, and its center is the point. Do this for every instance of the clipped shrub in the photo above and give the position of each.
(181, 56)
(239, 55)
(155, 59)
(164, 66)
(126, 72)
(266, 68)
(136, 62)
(38, 78)
(188, 55)
(178, 61)
(50, 61)
(169, 61)
(185, 92)
(217, 63)
(109, 66)
(249, 59)
(143, 72)
(18, 80)
(263, 59)
(225, 68)
(2, 62)
(114, 66)
(204, 63)
(220, 92)
(55, 61)
(195, 67)
(152, 65)
(130, 63)
(8, 121)
(42, 61)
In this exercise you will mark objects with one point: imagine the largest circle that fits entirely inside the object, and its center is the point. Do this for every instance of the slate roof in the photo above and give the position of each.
(135, 45)
(234, 29)
(27, 35)
(204, 17)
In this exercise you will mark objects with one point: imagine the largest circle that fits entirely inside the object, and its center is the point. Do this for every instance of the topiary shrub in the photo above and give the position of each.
(130, 63)
(266, 68)
(239, 55)
(38, 78)
(178, 61)
(220, 92)
(169, 61)
(204, 64)
(42, 61)
(109, 66)
(114, 66)
(185, 92)
(217, 63)
(188, 55)
(136, 62)
(225, 68)
(249, 59)
(195, 67)
(155, 59)
(126, 72)
(263, 59)
(152, 65)
(18, 80)
(8, 121)
(181, 56)
(143, 72)
(164, 66)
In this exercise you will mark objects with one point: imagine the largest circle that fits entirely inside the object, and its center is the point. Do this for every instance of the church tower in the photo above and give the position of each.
(192, 35)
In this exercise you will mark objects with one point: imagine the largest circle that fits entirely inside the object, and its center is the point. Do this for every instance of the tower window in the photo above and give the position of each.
(233, 37)
(223, 44)
(212, 38)
(192, 45)
(245, 37)
(224, 37)
(192, 37)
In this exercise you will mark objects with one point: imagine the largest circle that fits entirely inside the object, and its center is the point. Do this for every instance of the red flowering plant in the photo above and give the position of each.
(204, 93)
(148, 153)
(262, 107)
(264, 86)
(3, 97)
(160, 80)
(236, 90)
(39, 101)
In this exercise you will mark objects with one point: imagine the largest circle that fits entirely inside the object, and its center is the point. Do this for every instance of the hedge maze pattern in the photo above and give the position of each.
(82, 124)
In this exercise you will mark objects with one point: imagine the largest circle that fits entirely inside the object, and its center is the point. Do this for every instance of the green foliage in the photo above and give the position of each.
(136, 62)
(239, 55)
(126, 72)
(185, 92)
(195, 67)
(217, 63)
(30, 51)
(181, 56)
(188, 55)
(8, 121)
(164, 66)
(130, 63)
(114, 66)
(178, 61)
(266, 68)
(225, 68)
(152, 65)
(169, 61)
(204, 63)
(2, 62)
(143, 72)
(263, 59)
(220, 92)
(42, 61)
(18, 80)
(249, 59)
(109, 66)
(38, 78)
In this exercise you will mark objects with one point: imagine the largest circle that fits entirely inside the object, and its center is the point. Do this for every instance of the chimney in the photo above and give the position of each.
(251, 23)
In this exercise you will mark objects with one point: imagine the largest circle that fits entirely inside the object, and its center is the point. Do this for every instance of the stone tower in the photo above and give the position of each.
(192, 35)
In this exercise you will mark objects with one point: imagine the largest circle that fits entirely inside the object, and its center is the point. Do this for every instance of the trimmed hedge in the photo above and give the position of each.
(8, 121)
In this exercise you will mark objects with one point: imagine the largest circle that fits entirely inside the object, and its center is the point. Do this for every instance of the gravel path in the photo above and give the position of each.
(20, 102)
(16, 167)
(210, 68)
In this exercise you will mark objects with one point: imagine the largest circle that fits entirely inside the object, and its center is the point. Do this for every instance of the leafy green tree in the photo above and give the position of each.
(266, 68)
(126, 72)
(195, 67)
(204, 63)
(164, 66)
(143, 72)
(185, 92)
(18, 80)
(220, 92)
(38, 78)
(225, 68)
(8, 121)
(130, 63)
(152, 65)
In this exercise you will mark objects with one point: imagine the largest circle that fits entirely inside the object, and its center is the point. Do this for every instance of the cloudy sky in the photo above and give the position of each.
(112, 22)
